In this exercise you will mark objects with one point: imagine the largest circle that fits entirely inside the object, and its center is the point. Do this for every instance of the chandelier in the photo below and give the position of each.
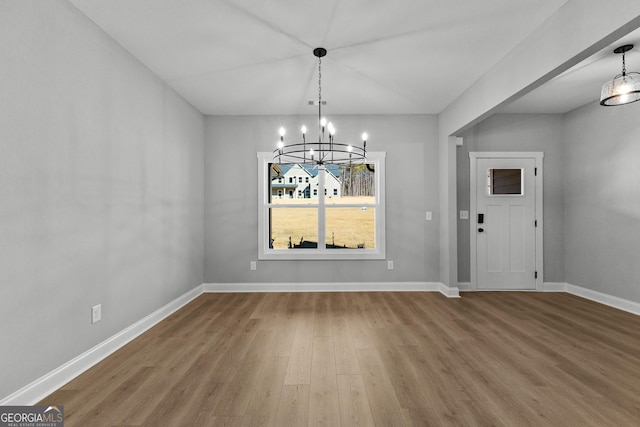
(326, 150)
(624, 88)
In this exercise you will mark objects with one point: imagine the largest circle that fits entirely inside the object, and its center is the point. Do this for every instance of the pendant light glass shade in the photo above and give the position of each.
(624, 88)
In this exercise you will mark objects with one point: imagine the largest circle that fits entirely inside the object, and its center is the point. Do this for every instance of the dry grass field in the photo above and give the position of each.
(346, 226)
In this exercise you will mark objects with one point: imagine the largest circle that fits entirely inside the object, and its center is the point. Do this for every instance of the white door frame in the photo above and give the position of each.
(473, 217)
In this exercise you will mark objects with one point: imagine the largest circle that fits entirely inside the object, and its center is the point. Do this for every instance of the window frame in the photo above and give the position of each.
(321, 253)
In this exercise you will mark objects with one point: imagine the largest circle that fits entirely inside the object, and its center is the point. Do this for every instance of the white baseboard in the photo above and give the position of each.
(610, 300)
(546, 287)
(449, 291)
(328, 287)
(554, 287)
(47, 384)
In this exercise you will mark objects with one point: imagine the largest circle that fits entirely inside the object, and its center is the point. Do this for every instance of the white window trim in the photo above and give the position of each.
(321, 253)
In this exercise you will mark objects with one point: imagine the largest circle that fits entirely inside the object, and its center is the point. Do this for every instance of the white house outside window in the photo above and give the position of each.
(344, 220)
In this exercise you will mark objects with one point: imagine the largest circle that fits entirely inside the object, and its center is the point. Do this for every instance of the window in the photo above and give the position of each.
(504, 182)
(290, 180)
(300, 179)
(349, 224)
(306, 179)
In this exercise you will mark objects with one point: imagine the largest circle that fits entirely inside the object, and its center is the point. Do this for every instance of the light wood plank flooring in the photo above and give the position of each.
(370, 359)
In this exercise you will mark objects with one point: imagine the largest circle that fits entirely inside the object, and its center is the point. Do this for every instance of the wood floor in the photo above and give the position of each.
(365, 359)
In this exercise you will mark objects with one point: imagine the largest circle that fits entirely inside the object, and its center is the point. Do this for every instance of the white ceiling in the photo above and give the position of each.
(251, 57)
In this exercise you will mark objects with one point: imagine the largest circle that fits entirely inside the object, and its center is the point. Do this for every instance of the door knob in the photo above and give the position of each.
(480, 230)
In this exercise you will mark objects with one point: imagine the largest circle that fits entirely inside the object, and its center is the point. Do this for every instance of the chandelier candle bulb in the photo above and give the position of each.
(281, 142)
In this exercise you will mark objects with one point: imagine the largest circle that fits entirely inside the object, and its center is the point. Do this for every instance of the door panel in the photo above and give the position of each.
(505, 241)
(517, 237)
(493, 218)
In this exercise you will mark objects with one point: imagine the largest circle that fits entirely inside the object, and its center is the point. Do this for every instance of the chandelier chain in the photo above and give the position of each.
(319, 83)
(624, 67)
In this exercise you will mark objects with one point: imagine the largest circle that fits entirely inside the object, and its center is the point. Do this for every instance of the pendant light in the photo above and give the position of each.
(624, 88)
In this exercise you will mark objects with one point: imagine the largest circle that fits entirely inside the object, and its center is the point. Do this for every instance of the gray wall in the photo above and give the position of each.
(101, 189)
(602, 193)
(519, 132)
(231, 200)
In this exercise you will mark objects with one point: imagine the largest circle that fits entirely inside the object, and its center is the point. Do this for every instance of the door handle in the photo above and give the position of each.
(480, 230)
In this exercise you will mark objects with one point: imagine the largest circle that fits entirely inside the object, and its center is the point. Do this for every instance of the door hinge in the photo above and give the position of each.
(535, 171)
(535, 223)
(535, 275)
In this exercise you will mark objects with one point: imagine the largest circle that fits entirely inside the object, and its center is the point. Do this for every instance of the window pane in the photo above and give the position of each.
(505, 181)
(350, 184)
(293, 228)
(293, 183)
(350, 228)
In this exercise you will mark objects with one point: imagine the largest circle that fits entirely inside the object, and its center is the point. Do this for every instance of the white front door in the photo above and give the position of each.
(504, 223)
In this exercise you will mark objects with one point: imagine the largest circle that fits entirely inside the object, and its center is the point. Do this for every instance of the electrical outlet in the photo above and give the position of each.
(96, 313)
(429, 216)
(252, 266)
(464, 214)
(389, 265)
